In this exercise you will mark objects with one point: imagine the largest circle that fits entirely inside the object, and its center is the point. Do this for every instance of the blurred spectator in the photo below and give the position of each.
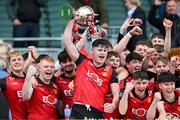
(171, 14)
(25, 15)
(3, 104)
(178, 7)
(134, 11)
(98, 7)
(5, 48)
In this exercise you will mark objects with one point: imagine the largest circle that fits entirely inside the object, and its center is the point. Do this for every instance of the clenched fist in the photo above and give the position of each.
(136, 31)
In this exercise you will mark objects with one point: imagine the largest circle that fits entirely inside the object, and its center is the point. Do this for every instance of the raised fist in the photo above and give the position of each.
(157, 96)
(136, 31)
(129, 86)
(167, 24)
(137, 22)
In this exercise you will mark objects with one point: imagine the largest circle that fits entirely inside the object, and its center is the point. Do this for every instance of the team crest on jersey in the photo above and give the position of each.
(178, 108)
(140, 112)
(104, 74)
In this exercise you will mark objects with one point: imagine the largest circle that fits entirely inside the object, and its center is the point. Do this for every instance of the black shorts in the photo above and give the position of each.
(80, 111)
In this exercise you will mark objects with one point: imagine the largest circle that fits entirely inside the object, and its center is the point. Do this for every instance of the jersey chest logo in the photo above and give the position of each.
(50, 100)
(68, 93)
(139, 112)
(94, 77)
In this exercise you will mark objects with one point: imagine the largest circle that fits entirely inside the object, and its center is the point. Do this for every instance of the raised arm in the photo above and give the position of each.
(32, 55)
(110, 107)
(161, 110)
(123, 104)
(167, 25)
(70, 47)
(82, 41)
(27, 89)
(151, 112)
(124, 41)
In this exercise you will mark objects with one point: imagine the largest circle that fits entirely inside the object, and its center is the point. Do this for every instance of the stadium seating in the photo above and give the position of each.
(52, 26)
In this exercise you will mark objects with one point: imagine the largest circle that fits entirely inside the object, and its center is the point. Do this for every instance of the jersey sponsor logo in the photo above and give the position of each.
(95, 78)
(50, 100)
(140, 112)
(19, 94)
(67, 93)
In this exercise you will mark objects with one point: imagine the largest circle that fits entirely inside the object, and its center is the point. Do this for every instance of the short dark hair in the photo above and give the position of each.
(166, 77)
(144, 42)
(102, 42)
(133, 56)
(158, 35)
(63, 56)
(112, 53)
(140, 75)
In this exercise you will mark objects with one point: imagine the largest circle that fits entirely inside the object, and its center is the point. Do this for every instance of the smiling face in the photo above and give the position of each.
(141, 49)
(161, 67)
(171, 7)
(68, 65)
(134, 65)
(113, 61)
(16, 63)
(140, 87)
(167, 88)
(46, 69)
(99, 55)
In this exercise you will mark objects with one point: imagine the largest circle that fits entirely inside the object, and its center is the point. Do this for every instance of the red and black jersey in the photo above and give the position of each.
(173, 109)
(115, 114)
(44, 100)
(137, 107)
(66, 93)
(11, 86)
(92, 83)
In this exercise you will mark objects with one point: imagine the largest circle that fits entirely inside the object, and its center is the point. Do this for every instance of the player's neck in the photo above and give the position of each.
(170, 97)
(44, 80)
(18, 73)
(97, 64)
(70, 75)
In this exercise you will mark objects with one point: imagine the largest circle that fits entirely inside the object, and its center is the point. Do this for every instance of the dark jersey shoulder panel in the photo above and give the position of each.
(114, 78)
(80, 59)
(2, 84)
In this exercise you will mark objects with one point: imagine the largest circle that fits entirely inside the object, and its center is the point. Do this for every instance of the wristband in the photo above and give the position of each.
(129, 35)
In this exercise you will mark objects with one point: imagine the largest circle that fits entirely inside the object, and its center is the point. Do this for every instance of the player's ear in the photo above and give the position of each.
(160, 86)
(92, 50)
(37, 67)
